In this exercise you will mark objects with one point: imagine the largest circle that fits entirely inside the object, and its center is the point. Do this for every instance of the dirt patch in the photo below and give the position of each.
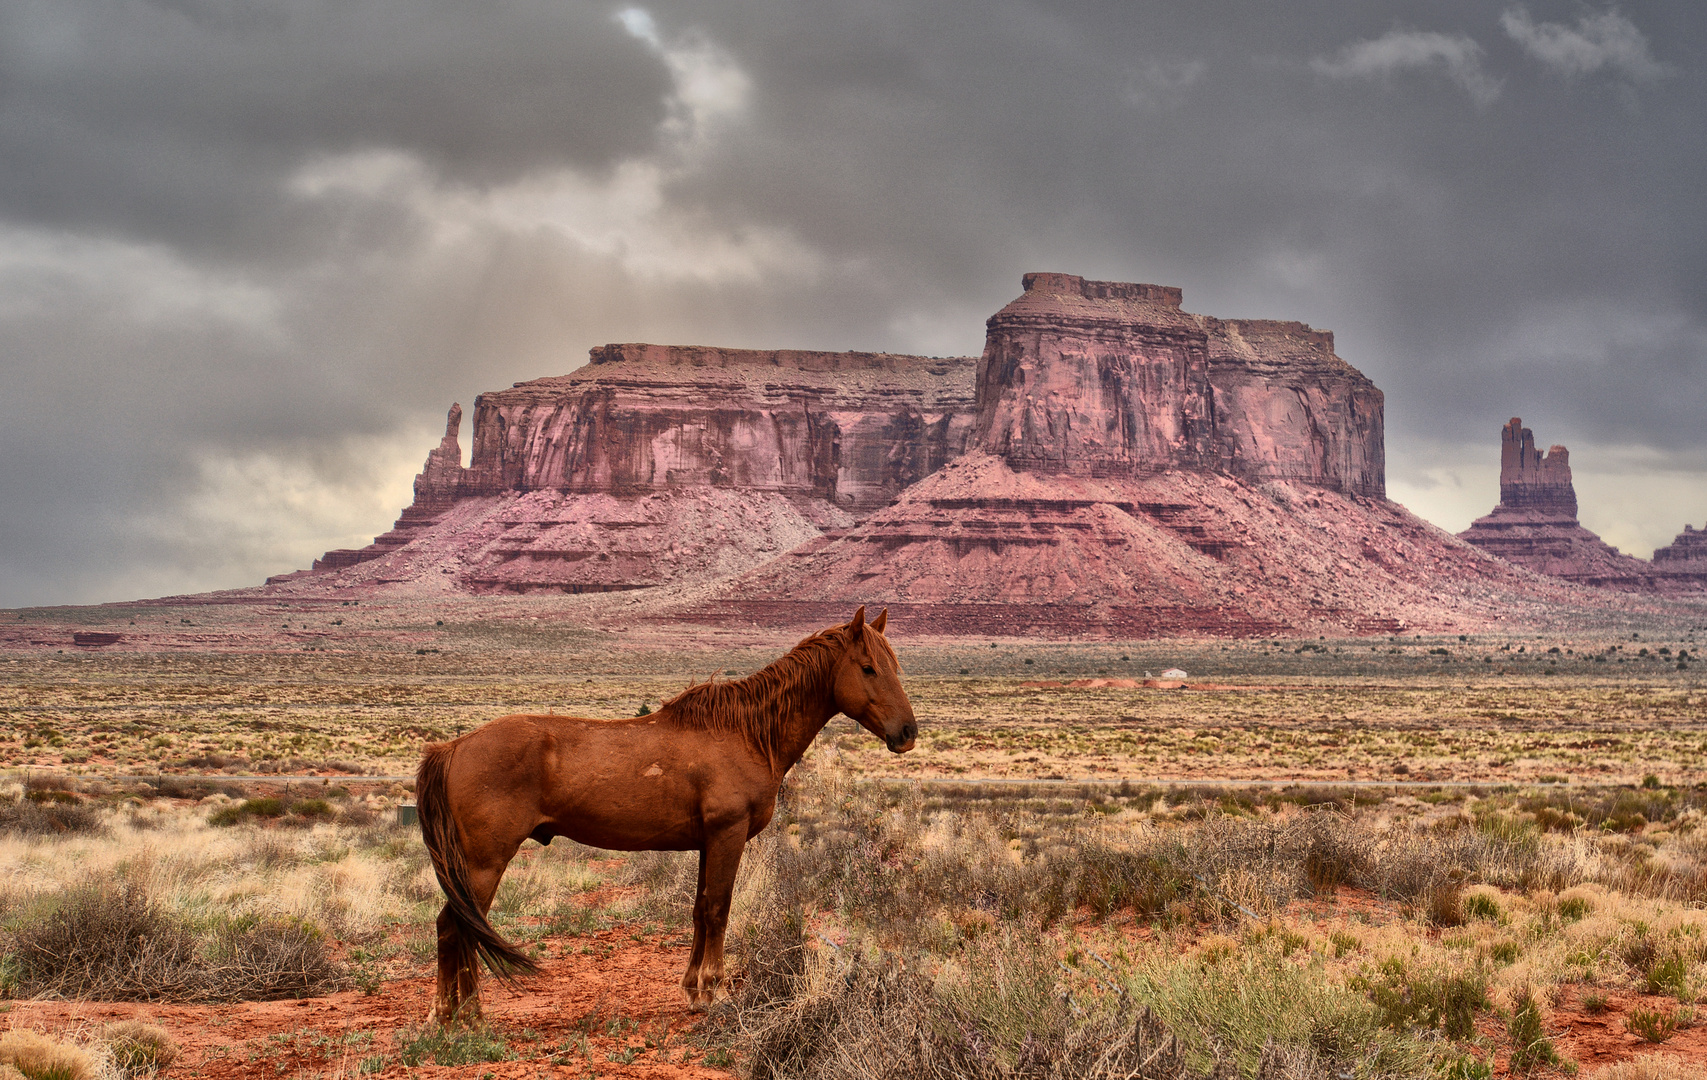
(1604, 1039)
(584, 1014)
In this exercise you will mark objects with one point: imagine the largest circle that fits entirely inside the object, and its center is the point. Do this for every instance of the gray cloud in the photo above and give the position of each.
(1456, 55)
(250, 252)
(1605, 41)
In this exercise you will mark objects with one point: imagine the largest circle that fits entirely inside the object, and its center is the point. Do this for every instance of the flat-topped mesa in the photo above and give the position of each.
(1530, 479)
(1535, 524)
(1106, 378)
(850, 428)
(1681, 566)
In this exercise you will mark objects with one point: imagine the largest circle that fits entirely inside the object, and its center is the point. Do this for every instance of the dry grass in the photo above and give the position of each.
(1648, 1067)
(123, 945)
(140, 1048)
(38, 1057)
(972, 915)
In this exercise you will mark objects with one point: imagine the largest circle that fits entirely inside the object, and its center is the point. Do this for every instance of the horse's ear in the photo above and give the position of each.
(856, 625)
(881, 621)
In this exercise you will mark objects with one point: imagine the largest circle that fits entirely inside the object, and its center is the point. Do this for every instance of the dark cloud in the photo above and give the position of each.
(247, 249)
(181, 118)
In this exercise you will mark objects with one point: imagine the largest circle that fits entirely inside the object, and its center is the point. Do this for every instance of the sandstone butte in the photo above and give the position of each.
(1535, 526)
(1681, 566)
(1110, 464)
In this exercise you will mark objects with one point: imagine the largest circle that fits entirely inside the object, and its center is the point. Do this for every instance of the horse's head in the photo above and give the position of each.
(868, 684)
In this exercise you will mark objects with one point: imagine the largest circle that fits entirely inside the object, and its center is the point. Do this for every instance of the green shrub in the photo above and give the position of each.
(1573, 908)
(1482, 906)
(1433, 999)
(1530, 1046)
(317, 809)
(1464, 1067)
(266, 807)
(1257, 997)
(1670, 976)
(1651, 1024)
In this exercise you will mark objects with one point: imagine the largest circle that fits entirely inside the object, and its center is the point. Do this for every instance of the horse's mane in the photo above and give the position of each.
(752, 706)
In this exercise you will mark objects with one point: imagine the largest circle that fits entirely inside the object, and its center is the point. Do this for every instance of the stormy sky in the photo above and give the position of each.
(251, 251)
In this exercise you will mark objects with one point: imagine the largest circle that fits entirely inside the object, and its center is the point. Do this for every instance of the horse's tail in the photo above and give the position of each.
(444, 843)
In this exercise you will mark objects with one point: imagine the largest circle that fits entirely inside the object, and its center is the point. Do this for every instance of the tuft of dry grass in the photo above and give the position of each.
(140, 1048)
(1648, 1067)
(38, 1057)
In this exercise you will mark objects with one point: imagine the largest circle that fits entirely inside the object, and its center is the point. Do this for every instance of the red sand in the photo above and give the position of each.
(637, 982)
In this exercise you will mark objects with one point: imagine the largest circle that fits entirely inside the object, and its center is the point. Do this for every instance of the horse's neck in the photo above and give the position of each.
(801, 710)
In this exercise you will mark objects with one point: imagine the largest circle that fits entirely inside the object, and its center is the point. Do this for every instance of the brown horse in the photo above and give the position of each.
(700, 774)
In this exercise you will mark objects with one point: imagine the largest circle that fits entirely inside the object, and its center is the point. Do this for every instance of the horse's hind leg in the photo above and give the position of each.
(457, 997)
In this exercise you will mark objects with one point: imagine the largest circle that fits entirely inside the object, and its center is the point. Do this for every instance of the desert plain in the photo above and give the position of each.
(1454, 855)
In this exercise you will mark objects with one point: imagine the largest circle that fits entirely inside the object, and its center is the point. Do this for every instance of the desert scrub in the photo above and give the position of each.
(1255, 997)
(123, 945)
(1405, 997)
(37, 812)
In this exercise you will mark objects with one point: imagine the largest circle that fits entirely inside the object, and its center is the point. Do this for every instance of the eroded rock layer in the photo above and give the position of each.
(853, 429)
(1106, 378)
(631, 440)
(981, 547)
(1681, 566)
(1535, 524)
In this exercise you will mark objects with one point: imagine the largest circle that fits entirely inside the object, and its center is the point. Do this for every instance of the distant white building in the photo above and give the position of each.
(1174, 673)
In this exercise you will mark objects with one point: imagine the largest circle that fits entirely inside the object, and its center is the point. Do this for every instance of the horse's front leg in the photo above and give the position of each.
(690, 978)
(718, 863)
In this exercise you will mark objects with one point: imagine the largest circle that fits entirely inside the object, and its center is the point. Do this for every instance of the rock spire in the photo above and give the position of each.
(1535, 524)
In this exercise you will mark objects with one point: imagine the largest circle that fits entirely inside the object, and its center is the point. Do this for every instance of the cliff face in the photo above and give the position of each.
(1535, 524)
(853, 429)
(1286, 408)
(1106, 378)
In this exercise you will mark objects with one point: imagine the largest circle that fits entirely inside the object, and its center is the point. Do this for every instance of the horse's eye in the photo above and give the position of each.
(869, 670)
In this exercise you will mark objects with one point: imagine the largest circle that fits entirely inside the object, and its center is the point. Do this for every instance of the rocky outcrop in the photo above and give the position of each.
(439, 482)
(1535, 524)
(1139, 470)
(1681, 566)
(626, 455)
(1107, 379)
(1110, 464)
(437, 487)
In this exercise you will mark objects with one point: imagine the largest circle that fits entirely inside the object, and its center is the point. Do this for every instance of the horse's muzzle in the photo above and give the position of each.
(900, 744)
